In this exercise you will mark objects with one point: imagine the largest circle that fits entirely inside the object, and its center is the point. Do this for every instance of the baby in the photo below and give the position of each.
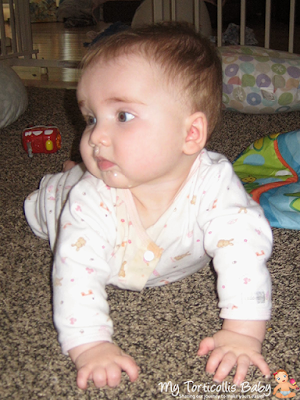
(282, 378)
(153, 205)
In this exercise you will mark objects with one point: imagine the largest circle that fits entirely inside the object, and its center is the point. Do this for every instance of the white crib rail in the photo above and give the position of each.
(21, 40)
(292, 25)
(159, 15)
(21, 51)
(159, 12)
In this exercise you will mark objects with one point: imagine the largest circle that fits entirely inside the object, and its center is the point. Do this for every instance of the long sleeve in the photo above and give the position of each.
(239, 239)
(81, 270)
(43, 207)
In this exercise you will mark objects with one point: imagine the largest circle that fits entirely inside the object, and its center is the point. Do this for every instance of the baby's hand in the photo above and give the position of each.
(67, 165)
(102, 362)
(230, 348)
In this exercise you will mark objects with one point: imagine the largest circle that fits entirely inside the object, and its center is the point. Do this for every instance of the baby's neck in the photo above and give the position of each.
(152, 202)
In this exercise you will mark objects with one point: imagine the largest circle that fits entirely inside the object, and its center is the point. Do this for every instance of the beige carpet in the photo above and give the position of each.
(162, 327)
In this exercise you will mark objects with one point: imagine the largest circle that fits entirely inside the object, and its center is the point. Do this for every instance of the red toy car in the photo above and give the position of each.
(41, 139)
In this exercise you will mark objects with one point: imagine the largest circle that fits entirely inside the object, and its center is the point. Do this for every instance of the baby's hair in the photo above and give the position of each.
(280, 370)
(186, 58)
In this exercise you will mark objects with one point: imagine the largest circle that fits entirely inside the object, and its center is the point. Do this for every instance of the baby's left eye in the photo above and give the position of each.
(90, 120)
(125, 116)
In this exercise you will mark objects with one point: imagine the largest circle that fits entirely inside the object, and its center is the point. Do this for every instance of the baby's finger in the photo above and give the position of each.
(99, 377)
(243, 363)
(226, 365)
(83, 375)
(128, 365)
(113, 375)
(206, 345)
(258, 360)
(214, 360)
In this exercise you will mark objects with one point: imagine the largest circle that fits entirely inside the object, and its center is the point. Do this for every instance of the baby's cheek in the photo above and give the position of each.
(85, 149)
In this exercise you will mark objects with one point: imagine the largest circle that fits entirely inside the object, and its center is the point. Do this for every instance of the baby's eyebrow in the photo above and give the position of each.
(124, 99)
(81, 103)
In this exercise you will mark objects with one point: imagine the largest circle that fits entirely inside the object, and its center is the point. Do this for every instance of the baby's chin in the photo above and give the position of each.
(115, 179)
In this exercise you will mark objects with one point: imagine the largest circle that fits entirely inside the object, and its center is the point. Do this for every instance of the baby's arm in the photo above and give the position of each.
(237, 343)
(276, 389)
(102, 362)
(239, 239)
(80, 273)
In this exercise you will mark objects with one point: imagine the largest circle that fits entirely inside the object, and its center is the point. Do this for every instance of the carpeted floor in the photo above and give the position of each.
(162, 327)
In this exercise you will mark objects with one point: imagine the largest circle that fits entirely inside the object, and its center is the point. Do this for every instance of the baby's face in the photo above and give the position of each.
(136, 126)
(281, 377)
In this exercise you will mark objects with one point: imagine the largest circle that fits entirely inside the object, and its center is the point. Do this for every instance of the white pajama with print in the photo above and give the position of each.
(98, 239)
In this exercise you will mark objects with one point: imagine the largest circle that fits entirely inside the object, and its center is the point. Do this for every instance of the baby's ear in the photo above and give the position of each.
(196, 133)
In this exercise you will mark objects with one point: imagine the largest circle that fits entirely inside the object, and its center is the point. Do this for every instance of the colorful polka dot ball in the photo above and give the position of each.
(258, 80)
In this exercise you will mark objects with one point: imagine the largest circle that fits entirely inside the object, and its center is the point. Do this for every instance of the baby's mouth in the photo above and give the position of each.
(104, 164)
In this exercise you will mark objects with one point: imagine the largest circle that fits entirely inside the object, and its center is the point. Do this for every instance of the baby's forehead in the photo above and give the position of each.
(129, 62)
(280, 374)
(121, 59)
(152, 70)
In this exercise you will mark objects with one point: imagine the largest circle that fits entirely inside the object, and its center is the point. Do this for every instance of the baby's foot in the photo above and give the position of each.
(67, 165)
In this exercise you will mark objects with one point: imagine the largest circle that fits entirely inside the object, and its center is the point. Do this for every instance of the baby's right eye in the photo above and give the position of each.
(90, 120)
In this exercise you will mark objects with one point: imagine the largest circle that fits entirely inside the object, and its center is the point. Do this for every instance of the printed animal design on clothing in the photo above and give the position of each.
(165, 282)
(89, 292)
(80, 243)
(193, 201)
(181, 256)
(243, 209)
(118, 202)
(104, 206)
(57, 281)
(157, 251)
(122, 270)
(225, 243)
(231, 306)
